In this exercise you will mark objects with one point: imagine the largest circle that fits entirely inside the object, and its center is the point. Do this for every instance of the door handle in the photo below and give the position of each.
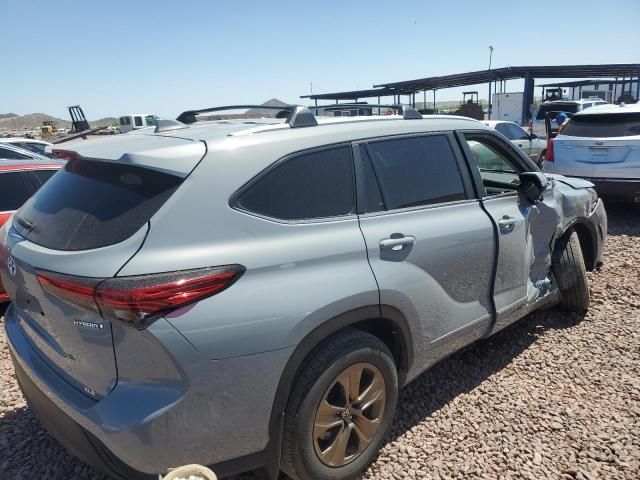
(396, 243)
(507, 223)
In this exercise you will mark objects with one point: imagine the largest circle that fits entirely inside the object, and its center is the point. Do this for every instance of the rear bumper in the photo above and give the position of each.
(622, 190)
(159, 415)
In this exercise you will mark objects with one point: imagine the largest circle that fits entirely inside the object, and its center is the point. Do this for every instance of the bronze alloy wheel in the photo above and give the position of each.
(349, 414)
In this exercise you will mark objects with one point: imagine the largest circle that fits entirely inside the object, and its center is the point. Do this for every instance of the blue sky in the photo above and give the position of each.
(163, 57)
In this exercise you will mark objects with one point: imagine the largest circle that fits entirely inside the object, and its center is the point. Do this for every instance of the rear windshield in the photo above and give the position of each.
(603, 125)
(91, 204)
(556, 107)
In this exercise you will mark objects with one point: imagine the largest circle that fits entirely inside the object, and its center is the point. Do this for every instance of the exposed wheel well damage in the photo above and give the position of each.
(587, 244)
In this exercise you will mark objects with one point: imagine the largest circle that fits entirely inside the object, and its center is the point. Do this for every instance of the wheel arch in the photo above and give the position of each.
(587, 236)
(385, 322)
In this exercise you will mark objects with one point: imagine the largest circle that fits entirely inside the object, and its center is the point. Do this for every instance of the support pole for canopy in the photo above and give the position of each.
(434, 100)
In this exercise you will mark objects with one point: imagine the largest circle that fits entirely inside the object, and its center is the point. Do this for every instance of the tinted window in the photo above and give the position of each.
(603, 125)
(517, 133)
(150, 120)
(12, 155)
(556, 107)
(310, 185)
(138, 121)
(15, 189)
(91, 204)
(35, 147)
(416, 171)
(502, 128)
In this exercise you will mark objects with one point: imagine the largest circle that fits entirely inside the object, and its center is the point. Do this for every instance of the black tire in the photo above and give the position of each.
(334, 356)
(571, 274)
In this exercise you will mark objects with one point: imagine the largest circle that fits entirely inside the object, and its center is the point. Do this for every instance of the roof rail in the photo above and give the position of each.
(407, 112)
(296, 115)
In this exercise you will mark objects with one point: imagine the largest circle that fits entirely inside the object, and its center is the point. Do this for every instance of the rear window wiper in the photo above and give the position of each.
(28, 224)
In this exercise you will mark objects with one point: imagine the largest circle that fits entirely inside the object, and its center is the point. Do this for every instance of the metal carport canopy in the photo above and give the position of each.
(352, 95)
(509, 73)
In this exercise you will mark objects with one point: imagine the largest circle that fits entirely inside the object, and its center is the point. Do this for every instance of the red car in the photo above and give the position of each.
(19, 179)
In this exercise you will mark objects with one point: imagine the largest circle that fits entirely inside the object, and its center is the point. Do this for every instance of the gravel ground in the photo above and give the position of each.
(553, 396)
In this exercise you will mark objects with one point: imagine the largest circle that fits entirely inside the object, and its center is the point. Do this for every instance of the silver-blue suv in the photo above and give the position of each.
(251, 294)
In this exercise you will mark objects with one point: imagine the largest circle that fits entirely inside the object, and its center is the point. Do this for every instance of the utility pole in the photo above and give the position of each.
(489, 106)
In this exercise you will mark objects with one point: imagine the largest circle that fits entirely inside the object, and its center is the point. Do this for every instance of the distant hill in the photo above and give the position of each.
(252, 113)
(267, 112)
(33, 121)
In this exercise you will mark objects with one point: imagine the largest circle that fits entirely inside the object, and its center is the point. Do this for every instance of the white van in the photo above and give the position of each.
(135, 121)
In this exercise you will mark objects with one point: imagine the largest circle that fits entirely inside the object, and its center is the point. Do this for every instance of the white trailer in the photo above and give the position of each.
(507, 106)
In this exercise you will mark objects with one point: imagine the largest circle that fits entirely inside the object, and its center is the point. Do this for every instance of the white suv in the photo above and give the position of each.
(601, 144)
(569, 106)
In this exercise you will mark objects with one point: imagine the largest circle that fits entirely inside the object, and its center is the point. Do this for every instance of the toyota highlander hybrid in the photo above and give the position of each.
(252, 294)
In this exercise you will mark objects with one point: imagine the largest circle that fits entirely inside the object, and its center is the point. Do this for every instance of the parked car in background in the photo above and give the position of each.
(602, 145)
(530, 144)
(136, 121)
(253, 293)
(19, 180)
(9, 151)
(36, 146)
(569, 106)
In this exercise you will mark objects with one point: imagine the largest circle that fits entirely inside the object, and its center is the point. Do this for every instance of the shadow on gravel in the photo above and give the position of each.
(623, 218)
(468, 368)
(29, 452)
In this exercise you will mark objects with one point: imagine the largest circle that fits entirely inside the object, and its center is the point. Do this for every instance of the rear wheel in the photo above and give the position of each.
(340, 409)
(571, 274)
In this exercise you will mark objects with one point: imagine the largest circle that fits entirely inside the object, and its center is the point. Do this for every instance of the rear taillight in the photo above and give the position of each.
(75, 290)
(138, 300)
(549, 154)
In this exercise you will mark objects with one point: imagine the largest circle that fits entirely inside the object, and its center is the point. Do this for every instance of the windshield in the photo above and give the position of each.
(603, 125)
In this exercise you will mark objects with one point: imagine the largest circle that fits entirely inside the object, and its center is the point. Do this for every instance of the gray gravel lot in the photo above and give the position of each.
(553, 396)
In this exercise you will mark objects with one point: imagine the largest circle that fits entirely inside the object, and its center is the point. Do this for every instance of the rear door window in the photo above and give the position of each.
(310, 185)
(15, 189)
(416, 171)
(603, 125)
(90, 204)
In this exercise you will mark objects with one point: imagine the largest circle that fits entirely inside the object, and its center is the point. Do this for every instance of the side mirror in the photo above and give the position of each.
(532, 185)
(533, 136)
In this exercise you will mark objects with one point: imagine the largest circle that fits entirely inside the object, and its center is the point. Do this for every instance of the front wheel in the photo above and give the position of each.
(340, 409)
(571, 274)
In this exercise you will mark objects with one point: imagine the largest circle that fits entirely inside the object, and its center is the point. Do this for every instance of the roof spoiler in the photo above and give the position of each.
(296, 115)
(407, 112)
